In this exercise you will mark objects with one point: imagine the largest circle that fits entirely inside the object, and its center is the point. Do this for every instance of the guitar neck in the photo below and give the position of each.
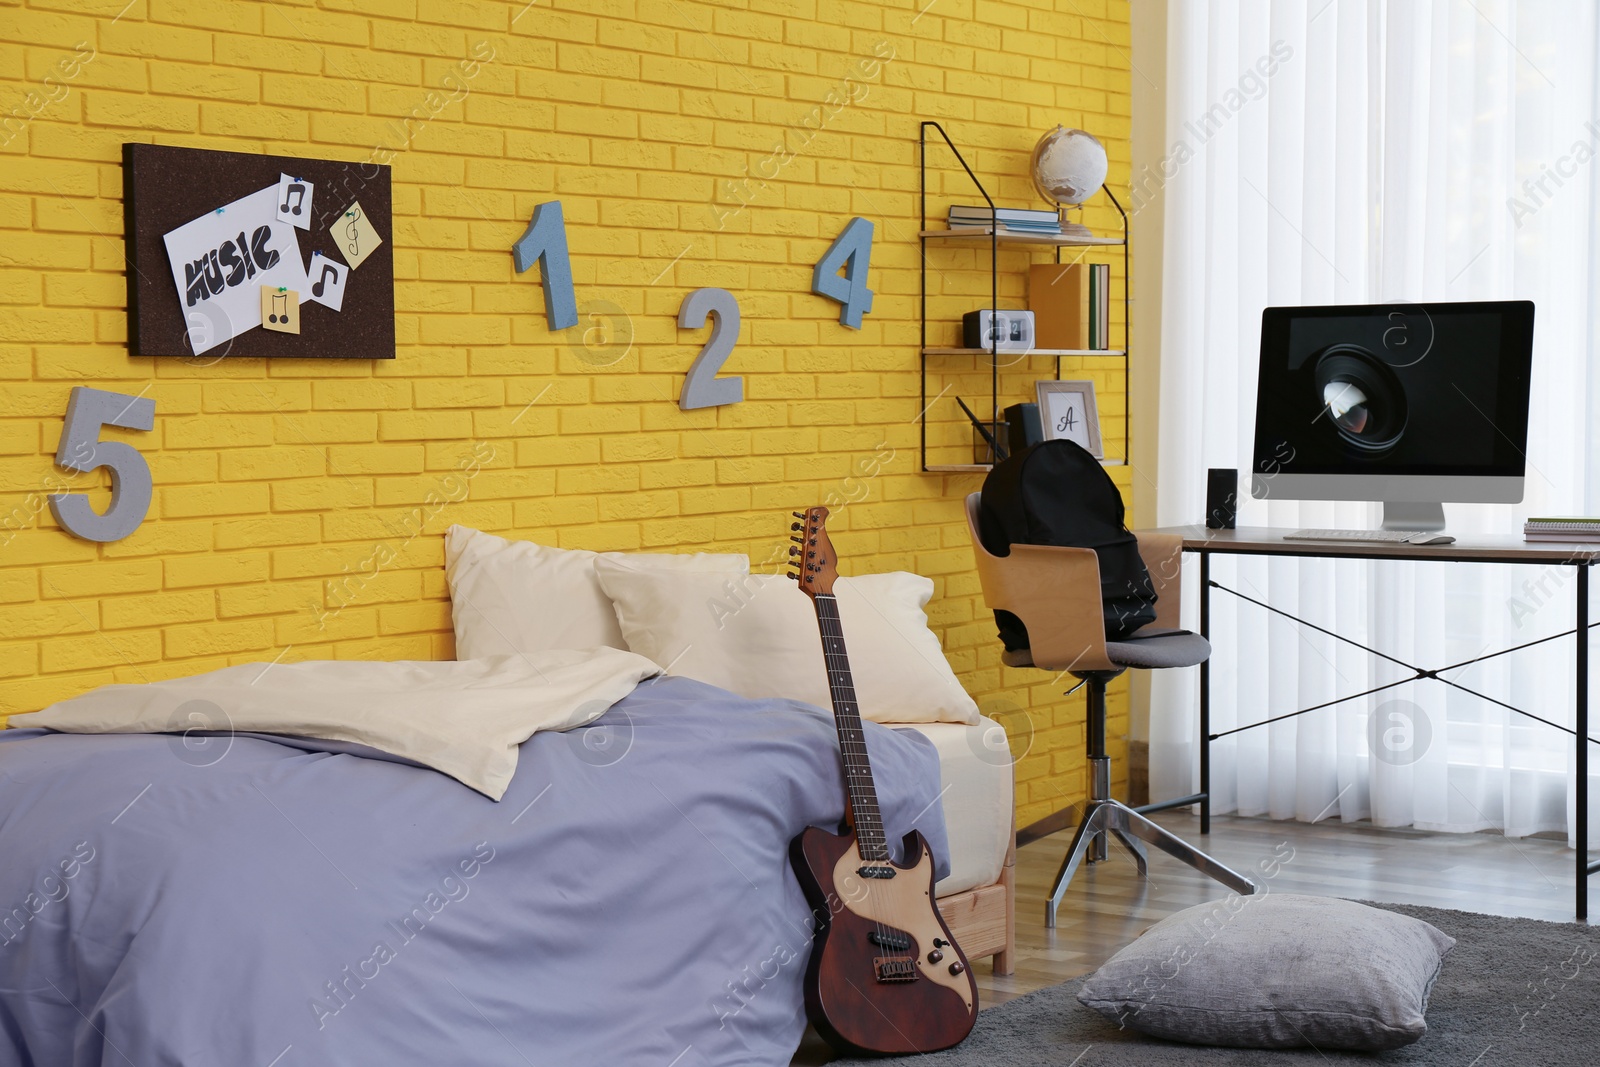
(870, 838)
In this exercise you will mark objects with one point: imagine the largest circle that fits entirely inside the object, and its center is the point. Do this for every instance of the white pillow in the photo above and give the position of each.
(756, 635)
(516, 596)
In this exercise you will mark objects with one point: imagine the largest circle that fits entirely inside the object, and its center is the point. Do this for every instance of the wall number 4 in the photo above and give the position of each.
(852, 252)
(82, 450)
(545, 243)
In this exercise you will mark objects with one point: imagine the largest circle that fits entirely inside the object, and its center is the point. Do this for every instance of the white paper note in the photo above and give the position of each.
(294, 201)
(220, 261)
(327, 277)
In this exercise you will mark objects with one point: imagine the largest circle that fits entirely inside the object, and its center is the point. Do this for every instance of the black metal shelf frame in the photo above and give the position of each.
(994, 298)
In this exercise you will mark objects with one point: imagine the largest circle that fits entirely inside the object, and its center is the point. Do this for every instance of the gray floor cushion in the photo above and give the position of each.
(1276, 971)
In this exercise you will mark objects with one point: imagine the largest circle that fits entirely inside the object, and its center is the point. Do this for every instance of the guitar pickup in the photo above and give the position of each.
(896, 968)
(875, 870)
(884, 939)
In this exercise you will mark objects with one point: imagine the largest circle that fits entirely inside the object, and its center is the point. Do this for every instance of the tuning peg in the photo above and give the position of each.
(799, 515)
(794, 550)
(797, 540)
(794, 576)
(795, 526)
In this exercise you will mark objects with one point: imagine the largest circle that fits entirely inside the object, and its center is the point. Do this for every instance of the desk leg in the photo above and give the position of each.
(1582, 741)
(1205, 696)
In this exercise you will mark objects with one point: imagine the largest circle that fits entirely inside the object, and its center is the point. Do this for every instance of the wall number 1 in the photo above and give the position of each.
(545, 243)
(82, 450)
(852, 251)
(703, 389)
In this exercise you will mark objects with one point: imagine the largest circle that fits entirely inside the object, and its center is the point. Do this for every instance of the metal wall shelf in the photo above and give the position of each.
(1029, 352)
(1018, 237)
(983, 468)
(996, 238)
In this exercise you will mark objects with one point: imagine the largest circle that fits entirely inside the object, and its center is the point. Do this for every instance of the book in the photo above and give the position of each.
(981, 214)
(1099, 306)
(1561, 529)
(1058, 299)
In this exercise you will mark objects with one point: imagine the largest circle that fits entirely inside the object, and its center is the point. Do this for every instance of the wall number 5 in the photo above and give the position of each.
(82, 450)
(703, 389)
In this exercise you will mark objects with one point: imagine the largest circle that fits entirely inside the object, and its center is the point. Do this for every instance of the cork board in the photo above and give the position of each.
(165, 188)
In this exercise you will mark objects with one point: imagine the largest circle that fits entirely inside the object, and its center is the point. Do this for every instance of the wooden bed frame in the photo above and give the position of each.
(984, 920)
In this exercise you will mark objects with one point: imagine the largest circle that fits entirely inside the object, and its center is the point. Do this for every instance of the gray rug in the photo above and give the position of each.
(1513, 992)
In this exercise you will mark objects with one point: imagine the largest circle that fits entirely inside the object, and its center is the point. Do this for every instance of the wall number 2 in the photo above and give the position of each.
(851, 250)
(703, 389)
(82, 450)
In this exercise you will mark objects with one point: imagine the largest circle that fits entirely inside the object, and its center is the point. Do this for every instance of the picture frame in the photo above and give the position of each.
(1067, 412)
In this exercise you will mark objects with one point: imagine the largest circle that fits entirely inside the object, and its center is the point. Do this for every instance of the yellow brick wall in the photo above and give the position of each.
(278, 484)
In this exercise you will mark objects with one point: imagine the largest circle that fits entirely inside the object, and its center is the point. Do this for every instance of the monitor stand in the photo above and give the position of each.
(1412, 515)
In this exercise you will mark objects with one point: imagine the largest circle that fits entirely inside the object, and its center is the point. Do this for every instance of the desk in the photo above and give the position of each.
(1266, 541)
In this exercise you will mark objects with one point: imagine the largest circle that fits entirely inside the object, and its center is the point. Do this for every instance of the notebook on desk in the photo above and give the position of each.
(1561, 529)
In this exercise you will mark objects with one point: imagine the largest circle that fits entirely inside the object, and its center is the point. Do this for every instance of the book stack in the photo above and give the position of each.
(1573, 529)
(1071, 305)
(1016, 220)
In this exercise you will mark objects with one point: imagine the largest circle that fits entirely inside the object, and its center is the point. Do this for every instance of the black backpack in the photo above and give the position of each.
(1056, 493)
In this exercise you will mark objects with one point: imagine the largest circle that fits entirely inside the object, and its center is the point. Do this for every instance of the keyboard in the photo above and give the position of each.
(1391, 537)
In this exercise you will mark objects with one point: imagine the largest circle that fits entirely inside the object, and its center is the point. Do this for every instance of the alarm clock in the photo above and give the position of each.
(1013, 330)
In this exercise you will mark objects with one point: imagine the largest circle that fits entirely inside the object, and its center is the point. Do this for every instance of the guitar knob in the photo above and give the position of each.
(956, 967)
(935, 956)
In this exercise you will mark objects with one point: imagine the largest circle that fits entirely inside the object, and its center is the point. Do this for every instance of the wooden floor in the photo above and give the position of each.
(1108, 904)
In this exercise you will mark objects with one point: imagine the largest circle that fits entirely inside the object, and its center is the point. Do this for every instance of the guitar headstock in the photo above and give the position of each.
(812, 555)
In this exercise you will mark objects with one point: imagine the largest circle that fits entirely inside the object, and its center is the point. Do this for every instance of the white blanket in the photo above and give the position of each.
(463, 718)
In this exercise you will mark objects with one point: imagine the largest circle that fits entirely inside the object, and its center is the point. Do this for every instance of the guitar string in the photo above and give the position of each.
(845, 720)
(852, 737)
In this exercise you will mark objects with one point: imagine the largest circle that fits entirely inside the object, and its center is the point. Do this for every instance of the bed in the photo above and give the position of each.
(546, 851)
(279, 901)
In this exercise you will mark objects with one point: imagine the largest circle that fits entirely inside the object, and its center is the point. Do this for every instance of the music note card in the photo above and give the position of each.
(327, 278)
(354, 233)
(294, 201)
(280, 309)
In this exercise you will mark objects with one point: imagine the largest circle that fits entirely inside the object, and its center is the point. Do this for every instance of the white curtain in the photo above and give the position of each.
(1341, 151)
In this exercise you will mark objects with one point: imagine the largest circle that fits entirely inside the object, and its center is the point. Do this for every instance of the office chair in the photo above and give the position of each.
(1055, 591)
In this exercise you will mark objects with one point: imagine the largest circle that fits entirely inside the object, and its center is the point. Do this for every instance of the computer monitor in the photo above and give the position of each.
(1414, 405)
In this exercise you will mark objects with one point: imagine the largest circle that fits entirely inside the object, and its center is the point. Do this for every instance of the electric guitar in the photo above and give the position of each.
(885, 977)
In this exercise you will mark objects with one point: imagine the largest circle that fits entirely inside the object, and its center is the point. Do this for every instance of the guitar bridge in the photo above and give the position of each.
(896, 968)
(875, 870)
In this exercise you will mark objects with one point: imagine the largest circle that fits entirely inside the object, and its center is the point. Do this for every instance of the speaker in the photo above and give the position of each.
(1222, 498)
(1023, 426)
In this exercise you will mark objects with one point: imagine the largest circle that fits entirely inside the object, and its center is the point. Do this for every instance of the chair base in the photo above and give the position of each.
(1105, 815)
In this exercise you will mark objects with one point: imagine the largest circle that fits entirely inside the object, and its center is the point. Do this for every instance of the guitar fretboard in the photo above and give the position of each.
(852, 739)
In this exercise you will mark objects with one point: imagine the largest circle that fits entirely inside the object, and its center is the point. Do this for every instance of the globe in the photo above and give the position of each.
(1069, 166)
